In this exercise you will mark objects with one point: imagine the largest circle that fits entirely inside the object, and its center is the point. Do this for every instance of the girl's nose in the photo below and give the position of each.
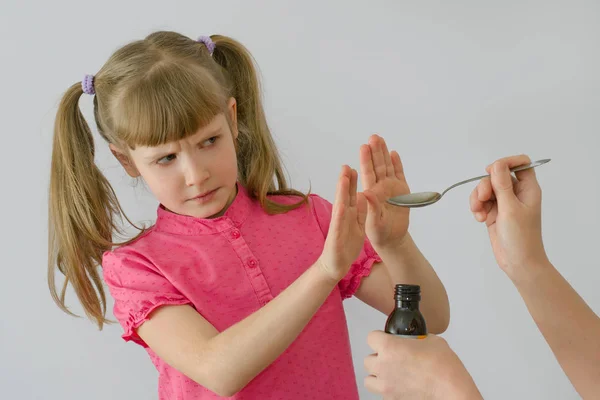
(195, 174)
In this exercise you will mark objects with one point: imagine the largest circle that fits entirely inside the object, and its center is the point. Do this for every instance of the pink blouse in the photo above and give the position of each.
(229, 267)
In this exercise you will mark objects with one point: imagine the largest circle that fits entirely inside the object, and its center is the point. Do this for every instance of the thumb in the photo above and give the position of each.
(502, 184)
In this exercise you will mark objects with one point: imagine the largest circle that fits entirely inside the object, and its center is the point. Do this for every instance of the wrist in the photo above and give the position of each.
(529, 272)
(327, 273)
(464, 390)
(395, 247)
(460, 386)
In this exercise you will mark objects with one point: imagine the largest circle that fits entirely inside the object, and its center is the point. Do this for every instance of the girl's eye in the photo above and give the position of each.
(166, 159)
(210, 141)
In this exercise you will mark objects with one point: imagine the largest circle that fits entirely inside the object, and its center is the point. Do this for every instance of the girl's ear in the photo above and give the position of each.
(124, 160)
(232, 107)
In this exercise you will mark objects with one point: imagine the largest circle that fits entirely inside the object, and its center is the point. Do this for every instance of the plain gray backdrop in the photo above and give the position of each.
(451, 85)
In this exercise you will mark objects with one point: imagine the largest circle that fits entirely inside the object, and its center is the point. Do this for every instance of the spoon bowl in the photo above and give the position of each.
(422, 199)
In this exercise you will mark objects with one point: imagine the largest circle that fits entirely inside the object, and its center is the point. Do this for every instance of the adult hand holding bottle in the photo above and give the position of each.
(416, 369)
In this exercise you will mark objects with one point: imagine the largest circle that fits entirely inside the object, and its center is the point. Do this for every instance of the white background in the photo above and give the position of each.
(450, 85)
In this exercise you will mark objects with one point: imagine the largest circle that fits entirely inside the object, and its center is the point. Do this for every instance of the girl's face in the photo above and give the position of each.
(195, 176)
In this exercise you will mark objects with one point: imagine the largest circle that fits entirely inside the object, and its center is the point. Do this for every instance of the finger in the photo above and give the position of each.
(339, 209)
(361, 207)
(486, 208)
(397, 163)
(482, 193)
(482, 200)
(378, 158)
(346, 182)
(352, 190)
(488, 205)
(485, 192)
(492, 214)
(512, 161)
(389, 167)
(502, 184)
(373, 385)
(367, 173)
(515, 161)
(341, 192)
(475, 204)
(375, 340)
(371, 364)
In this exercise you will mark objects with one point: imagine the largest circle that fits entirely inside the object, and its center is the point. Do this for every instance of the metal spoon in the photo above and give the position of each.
(423, 199)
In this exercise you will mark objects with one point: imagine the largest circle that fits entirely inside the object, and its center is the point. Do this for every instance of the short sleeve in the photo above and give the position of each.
(364, 262)
(138, 289)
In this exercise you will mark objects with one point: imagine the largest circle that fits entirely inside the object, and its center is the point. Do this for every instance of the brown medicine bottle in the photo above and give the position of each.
(406, 320)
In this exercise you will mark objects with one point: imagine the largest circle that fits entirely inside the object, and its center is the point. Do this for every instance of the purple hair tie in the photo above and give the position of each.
(210, 45)
(87, 85)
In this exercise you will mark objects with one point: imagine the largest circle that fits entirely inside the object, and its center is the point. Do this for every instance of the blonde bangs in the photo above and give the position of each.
(172, 101)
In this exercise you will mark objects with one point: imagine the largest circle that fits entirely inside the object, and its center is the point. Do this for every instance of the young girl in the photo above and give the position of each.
(237, 289)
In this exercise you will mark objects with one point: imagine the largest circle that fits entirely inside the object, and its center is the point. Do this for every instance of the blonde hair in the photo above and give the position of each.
(149, 92)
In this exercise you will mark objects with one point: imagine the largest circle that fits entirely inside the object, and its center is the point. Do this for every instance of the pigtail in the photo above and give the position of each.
(259, 163)
(81, 208)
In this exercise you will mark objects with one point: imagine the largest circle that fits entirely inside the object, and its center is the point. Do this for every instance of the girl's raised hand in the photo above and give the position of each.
(382, 176)
(346, 235)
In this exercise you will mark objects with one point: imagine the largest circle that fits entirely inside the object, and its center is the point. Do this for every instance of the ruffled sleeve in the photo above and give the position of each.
(138, 289)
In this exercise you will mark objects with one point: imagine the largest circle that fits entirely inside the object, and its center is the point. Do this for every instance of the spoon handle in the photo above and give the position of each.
(465, 181)
(514, 169)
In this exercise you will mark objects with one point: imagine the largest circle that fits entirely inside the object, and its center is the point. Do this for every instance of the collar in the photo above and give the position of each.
(234, 216)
